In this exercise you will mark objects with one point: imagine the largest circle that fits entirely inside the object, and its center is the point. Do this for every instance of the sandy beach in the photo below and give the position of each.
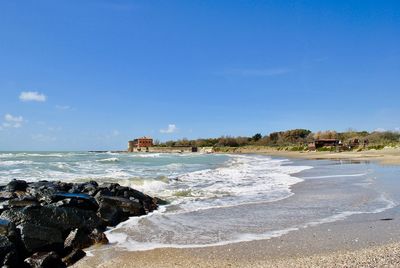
(370, 240)
(386, 156)
(363, 240)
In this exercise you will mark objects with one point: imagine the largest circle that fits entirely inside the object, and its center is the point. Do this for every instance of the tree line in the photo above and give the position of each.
(294, 137)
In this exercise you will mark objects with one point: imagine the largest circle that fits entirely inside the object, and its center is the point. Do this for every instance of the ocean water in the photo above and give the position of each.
(214, 199)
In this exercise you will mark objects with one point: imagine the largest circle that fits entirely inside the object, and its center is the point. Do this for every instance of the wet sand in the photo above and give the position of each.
(387, 156)
(368, 240)
(363, 240)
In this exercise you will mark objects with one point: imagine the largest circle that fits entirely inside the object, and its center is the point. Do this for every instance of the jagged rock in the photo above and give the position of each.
(8, 252)
(74, 256)
(5, 226)
(111, 215)
(130, 207)
(23, 202)
(42, 190)
(78, 238)
(17, 185)
(86, 187)
(40, 238)
(102, 192)
(45, 260)
(83, 201)
(98, 237)
(61, 218)
(6, 195)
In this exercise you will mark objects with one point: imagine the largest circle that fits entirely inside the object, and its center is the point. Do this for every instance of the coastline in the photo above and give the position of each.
(386, 156)
(360, 240)
(371, 239)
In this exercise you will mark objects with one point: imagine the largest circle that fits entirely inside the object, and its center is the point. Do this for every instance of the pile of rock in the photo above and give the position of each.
(47, 224)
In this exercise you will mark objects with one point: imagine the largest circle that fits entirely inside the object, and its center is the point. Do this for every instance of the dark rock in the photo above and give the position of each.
(22, 202)
(86, 187)
(8, 253)
(5, 227)
(98, 237)
(130, 207)
(54, 217)
(74, 256)
(6, 195)
(159, 201)
(43, 193)
(102, 192)
(17, 185)
(61, 218)
(40, 238)
(78, 238)
(45, 260)
(83, 201)
(111, 215)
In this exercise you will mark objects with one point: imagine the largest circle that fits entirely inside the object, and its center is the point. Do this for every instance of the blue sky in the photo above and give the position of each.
(81, 75)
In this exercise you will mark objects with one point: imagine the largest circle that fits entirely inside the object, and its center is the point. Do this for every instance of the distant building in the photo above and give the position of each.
(323, 143)
(139, 143)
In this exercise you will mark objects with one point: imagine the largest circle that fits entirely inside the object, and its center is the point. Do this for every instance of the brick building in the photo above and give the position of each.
(139, 143)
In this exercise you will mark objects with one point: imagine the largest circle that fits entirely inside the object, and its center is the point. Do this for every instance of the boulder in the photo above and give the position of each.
(77, 238)
(61, 218)
(127, 206)
(8, 253)
(16, 185)
(5, 227)
(80, 238)
(23, 202)
(111, 215)
(45, 260)
(6, 195)
(74, 256)
(98, 237)
(40, 238)
(82, 201)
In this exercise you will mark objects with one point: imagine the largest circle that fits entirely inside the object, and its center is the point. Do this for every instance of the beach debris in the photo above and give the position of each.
(48, 223)
(386, 219)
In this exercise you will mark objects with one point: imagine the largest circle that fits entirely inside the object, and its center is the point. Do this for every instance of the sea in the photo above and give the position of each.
(217, 199)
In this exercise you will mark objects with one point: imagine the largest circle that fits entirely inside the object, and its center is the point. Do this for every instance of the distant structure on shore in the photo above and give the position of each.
(138, 144)
(146, 144)
(336, 143)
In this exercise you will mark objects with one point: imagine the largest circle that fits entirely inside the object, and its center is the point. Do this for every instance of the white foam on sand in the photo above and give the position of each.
(242, 180)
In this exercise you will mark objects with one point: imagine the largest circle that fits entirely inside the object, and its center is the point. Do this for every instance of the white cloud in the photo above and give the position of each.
(379, 129)
(32, 96)
(12, 121)
(170, 129)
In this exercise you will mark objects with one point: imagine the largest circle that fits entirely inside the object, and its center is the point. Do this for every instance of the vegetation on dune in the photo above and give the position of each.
(294, 140)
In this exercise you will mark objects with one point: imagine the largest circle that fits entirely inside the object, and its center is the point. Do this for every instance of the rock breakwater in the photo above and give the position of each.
(47, 223)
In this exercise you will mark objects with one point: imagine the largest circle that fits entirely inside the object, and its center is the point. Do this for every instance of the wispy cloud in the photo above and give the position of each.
(170, 129)
(64, 108)
(32, 96)
(257, 72)
(379, 129)
(11, 121)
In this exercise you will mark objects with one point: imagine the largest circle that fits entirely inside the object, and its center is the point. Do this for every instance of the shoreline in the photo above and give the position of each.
(336, 244)
(369, 239)
(386, 156)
